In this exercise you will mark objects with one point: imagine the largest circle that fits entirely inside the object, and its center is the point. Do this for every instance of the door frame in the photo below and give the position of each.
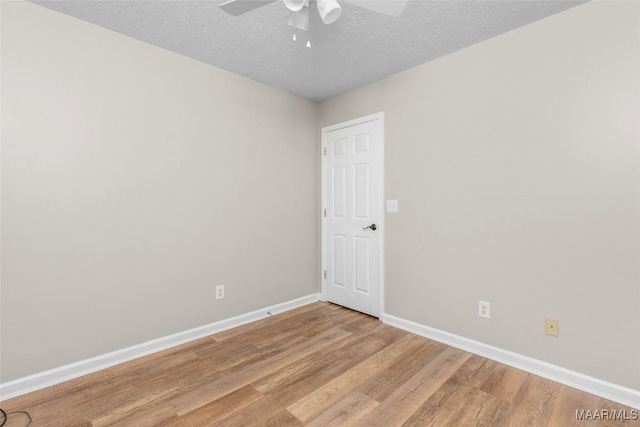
(379, 117)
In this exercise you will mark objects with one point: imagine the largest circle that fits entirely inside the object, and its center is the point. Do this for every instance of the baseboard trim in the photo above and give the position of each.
(607, 390)
(68, 372)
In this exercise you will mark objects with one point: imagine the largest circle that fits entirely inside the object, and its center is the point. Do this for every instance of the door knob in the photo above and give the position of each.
(372, 226)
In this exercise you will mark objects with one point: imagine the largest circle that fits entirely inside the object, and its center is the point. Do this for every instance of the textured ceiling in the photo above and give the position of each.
(360, 48)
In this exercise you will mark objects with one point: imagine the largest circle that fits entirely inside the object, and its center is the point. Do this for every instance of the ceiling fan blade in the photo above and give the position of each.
(387, 7)
(238, 7)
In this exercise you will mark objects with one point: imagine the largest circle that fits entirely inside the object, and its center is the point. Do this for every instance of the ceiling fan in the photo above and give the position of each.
(329, 10)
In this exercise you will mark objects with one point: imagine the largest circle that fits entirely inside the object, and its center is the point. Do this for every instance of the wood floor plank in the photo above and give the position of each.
(346, 412)
(476, 371)
(402, 403)
(269, 322)
(565, 410)
(47, 401)
(332, 366)
(145, 410)
(313, 404)
(534, 402)
(147, 416)
(110, 391)
(384, 383)
(504, 382)
(257, 414)
(217, 410)
(292, 336)
(136, 372)
(317, 365)
(206, 394)
(348, 352)
(283, 418)
(127, 397)
(455, 404)
(90, 385)
(259, 331)
(361, 325)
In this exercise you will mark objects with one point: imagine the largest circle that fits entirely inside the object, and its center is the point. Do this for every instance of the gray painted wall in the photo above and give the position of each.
(134, 181)
(516, 166)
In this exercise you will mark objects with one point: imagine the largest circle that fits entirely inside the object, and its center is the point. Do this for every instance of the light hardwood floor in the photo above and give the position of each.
(319, 365)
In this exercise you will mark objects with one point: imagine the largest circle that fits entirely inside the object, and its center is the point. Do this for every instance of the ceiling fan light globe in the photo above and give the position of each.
(294, 5)
(329, 10)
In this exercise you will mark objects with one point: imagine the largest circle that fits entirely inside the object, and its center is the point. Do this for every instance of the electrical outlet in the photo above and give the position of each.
(220, 292)
(484, 309)
(552, 327)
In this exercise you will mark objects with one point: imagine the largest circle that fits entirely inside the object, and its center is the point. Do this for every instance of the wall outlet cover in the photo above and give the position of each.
(552, 327)
(484, 309)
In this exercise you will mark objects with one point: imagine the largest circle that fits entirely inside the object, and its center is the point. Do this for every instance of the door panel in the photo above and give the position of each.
(362, 257)
(339, 181)
(352, 193)
(362, 203)
(339, 260)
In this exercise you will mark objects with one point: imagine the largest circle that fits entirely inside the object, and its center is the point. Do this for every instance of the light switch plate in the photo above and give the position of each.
(392, 206)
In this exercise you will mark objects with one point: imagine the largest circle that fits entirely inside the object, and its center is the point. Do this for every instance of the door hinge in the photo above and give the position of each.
(325, 151)
(325, 212)
(325, 274)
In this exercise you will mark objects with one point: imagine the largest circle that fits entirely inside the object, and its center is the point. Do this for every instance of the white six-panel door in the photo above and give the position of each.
(352, 228)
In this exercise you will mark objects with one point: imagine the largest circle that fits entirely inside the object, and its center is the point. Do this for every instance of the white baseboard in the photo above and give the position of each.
(54, 376)
(614, 392)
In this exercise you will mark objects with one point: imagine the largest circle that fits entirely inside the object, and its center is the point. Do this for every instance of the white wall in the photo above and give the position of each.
(134, 181)
(516, 165)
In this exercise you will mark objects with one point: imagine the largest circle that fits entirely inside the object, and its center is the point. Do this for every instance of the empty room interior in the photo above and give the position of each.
(320, 212)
